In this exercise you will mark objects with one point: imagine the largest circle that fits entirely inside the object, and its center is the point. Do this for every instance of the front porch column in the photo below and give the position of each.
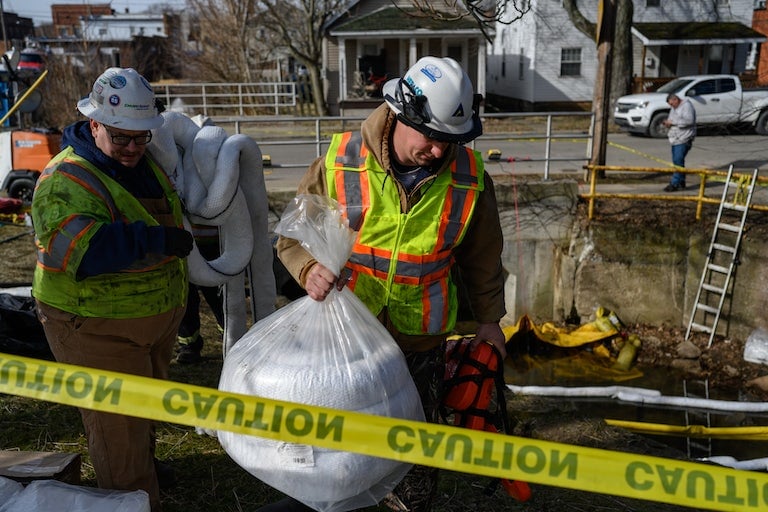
(342, 69)
(481, 64)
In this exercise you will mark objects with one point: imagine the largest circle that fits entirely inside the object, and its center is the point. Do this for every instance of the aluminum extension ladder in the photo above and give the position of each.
(722, 256)
(697, 448)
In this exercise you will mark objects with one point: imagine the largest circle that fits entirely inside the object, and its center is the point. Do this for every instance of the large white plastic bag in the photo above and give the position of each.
(55, 496)
(333, 353)
(8, 489)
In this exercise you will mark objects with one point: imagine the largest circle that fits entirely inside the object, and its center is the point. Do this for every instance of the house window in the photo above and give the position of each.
(521, 65)
(653, 3)
(570, 62)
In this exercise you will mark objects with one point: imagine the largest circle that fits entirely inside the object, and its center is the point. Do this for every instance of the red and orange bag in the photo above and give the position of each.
(471, 376)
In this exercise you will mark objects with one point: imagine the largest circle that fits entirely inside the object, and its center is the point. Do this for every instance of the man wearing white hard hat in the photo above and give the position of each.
(425, 210)
(111, 278)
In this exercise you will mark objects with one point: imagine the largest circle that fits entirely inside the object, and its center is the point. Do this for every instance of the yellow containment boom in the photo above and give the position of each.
(740, 433)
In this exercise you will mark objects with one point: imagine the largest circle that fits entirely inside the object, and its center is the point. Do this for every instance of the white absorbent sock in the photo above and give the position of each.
(220, 181)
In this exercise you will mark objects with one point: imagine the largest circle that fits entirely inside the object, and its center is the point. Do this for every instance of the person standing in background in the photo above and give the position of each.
(111, 279)
(681, 123)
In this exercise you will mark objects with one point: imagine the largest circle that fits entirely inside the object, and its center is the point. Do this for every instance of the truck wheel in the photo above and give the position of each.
(22, 188)
(761, 126)
(656, 129)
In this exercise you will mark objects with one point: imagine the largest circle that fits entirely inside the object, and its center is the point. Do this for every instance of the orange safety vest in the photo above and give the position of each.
(402, 261)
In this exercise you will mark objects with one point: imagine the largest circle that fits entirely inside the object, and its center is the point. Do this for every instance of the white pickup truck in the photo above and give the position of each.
(718, 100)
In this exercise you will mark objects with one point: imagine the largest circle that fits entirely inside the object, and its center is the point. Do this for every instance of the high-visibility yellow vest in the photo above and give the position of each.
(151, 286)
(402, 261)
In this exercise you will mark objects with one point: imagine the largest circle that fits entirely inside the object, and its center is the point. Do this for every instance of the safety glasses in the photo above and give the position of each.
(120, 139)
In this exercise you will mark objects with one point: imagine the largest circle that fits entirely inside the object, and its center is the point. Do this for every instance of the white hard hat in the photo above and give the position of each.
(436, 98)
(122, 98)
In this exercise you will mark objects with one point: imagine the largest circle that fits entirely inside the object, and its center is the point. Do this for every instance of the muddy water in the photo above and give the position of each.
(585, 370)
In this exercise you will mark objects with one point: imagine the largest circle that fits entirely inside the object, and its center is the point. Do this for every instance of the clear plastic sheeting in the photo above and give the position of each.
(331, 354)
(55, 496)
(756, 347)
(8, 490)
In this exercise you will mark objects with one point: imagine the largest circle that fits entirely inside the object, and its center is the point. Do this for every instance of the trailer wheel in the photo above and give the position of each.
(22, 188)
(761, 126)
(656, 129)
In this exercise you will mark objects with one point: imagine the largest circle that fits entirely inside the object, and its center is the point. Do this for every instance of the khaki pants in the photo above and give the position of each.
(121, 448)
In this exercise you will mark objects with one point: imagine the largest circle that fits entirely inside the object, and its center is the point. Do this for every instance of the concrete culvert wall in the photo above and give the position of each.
(641, 259)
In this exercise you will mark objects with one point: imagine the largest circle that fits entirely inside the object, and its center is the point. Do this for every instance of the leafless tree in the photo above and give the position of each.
(485, 12)
(299, 27)
(489, 12)
(70, 78)
(227, 48)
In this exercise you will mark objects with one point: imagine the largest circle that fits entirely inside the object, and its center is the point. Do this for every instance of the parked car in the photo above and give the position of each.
(33, 60)
(718, 100)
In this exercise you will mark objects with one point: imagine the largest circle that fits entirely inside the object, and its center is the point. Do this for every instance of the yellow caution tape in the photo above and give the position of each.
(456, 449)
(743, 433)
(640, 153)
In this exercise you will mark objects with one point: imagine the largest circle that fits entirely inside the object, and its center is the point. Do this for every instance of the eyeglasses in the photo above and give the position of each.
(120, 139)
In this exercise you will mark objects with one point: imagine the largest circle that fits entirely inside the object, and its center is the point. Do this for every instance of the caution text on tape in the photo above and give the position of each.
(469, 451)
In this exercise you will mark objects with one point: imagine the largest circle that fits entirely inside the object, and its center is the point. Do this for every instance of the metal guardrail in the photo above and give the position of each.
(700, 198)
(315, 132)
(228, 99)
(245, 105)
(238, 106)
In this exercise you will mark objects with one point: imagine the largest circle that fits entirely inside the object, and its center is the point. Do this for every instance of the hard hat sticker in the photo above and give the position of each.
(117, 82)
(415, 88)
(137, 106)
(114, 100)
(459, 111)
(432, 72)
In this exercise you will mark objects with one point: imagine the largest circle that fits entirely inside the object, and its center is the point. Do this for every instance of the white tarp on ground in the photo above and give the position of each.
(55, 496)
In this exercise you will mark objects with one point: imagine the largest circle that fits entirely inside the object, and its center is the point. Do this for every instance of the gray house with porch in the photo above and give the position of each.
(379, 39)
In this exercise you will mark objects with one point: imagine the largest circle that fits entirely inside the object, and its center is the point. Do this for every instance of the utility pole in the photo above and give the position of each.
(604, 33)
(2, 22)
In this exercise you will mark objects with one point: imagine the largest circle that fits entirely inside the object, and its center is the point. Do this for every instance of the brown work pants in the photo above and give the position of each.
(121, 448)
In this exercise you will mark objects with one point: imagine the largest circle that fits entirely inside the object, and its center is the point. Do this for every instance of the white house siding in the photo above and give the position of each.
(511, 61)
(539, 37)
(122, 27)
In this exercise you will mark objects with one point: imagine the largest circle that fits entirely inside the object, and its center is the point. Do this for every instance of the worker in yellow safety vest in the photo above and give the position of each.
(425, 212)
(111, 279)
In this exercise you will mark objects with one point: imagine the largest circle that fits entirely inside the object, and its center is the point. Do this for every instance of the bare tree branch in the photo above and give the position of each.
(299, 27)
(486, 13)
